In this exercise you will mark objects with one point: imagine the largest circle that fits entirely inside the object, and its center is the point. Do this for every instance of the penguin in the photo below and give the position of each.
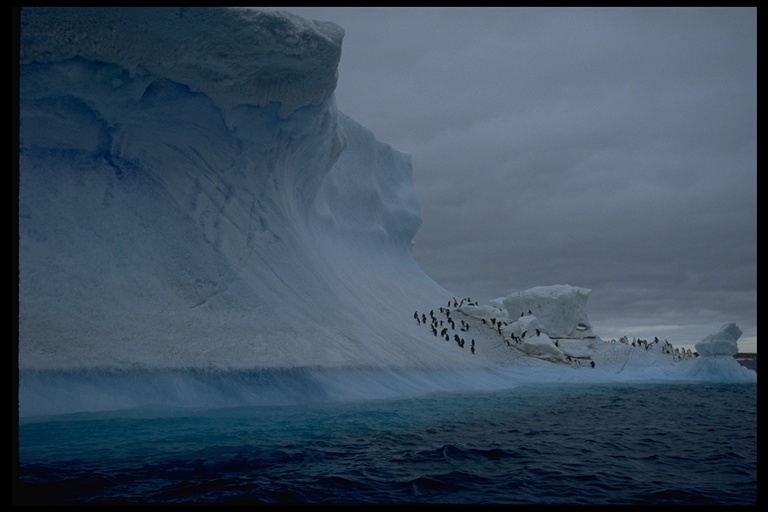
(538, 332)
(592, 364)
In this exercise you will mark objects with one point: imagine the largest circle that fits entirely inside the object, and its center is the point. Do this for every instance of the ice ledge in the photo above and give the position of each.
(234, 55)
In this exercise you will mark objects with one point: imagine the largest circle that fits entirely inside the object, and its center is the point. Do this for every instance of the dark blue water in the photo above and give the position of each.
(644, 444)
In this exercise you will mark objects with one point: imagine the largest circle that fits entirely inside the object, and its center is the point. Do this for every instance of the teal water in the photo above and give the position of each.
(619, 444)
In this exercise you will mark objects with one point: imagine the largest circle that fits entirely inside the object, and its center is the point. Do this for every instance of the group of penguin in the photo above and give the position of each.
(440, 327)
(436, 323)
(666, 347)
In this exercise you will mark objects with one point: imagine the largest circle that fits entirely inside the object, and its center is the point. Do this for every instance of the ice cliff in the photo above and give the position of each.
(190, 196)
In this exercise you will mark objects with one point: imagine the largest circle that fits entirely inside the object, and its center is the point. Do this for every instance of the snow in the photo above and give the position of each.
(191, 200)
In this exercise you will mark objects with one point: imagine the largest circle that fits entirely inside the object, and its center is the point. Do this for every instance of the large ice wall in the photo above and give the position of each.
(190, 196)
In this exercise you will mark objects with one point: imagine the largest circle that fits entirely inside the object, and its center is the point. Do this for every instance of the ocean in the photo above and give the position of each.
(649, 444)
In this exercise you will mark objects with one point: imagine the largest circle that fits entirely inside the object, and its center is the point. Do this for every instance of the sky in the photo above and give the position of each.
(608, 148)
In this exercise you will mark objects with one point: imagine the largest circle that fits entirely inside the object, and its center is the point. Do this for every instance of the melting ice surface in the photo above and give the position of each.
(200, 226)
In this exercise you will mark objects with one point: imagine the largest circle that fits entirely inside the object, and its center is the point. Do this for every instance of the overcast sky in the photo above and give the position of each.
(608, 148)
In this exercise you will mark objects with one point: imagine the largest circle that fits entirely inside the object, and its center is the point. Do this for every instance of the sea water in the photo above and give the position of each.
(649, 444)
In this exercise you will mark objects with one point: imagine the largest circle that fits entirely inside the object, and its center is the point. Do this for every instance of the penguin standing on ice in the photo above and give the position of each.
(472, 346)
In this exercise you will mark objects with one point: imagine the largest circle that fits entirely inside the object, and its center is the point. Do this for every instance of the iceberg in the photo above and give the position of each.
(199, 225)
